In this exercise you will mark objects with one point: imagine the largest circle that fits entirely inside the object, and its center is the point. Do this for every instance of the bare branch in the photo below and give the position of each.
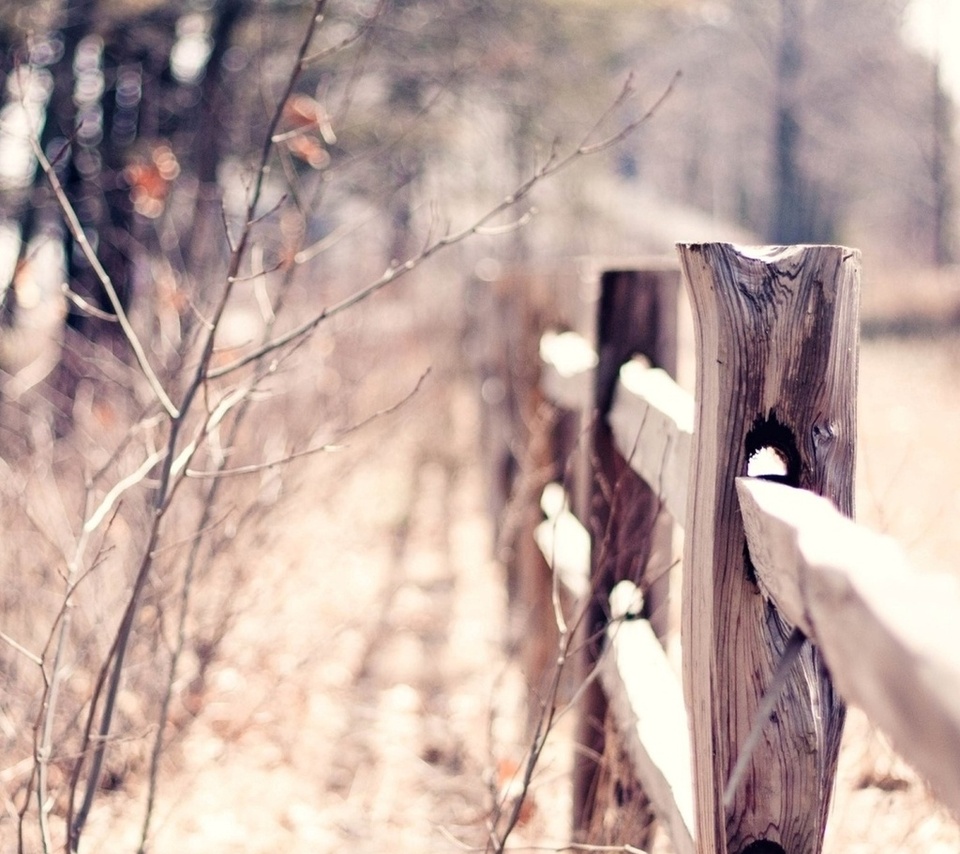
(510, 227)
(121, 486)
(86, 307)
(202, 373)
(626, 130)
(330, 240)
(344, 43)
(76, 230)
(252, 277)
(551, 167)
(21, 649)
(259, 467)
(260, 218)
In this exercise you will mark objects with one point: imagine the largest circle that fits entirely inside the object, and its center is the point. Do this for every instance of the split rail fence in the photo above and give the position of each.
(771, 556)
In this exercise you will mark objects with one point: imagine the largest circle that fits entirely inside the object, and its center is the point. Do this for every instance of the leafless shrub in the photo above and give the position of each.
(116, 522)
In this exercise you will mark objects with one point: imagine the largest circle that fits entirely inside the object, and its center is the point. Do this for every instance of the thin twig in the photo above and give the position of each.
(259, 274)
(36, 659)
(344, 43)
(78, 234)
(325, 448)
(186, 590)
(113, 495)
(357, 70)
(86, 307)
(331, 239)
(764, 712)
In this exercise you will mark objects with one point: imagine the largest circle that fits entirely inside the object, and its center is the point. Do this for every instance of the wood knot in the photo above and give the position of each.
(825, 432)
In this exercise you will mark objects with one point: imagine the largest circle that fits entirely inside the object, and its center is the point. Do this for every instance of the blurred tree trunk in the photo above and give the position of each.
(405, 101)
(210, 139)
(788, 224)
(77, 139)
(942, 202)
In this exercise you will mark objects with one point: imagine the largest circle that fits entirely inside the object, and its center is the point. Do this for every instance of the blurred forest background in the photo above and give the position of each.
(794, 121)
(219, 221)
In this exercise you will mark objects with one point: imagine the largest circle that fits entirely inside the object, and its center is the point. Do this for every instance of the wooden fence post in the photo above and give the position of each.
(777, 338)
(527, 443)
(637, 314)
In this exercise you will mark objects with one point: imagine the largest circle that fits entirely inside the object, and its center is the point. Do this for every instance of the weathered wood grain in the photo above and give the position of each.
(888, 633)
(776, 337)
(636, 314)
(651, 415)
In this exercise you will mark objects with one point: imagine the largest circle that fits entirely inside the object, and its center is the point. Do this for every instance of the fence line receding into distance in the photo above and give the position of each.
(776, 332)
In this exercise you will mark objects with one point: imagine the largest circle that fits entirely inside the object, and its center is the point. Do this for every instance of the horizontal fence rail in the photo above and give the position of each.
(647, 702)
(886, 634)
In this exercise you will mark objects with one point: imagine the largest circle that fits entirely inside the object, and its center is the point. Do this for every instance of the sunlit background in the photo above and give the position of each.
(336, 683)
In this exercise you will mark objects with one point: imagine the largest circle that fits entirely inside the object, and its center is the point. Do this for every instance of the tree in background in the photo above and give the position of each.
(941, 147)
(805, 120)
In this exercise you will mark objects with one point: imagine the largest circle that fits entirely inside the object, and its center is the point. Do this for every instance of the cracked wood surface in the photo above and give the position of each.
(776, 336)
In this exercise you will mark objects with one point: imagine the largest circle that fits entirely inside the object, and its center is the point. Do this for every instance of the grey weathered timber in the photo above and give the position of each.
(776, 337)
(887, 632)
(636, 315)
(652, 421)
(646, 698)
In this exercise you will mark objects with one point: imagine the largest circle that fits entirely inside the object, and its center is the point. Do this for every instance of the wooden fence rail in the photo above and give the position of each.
(776, 334)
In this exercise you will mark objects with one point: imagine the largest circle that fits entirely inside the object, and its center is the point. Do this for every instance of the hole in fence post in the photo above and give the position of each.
(767, 462)
(763, 846)
(772, 452)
